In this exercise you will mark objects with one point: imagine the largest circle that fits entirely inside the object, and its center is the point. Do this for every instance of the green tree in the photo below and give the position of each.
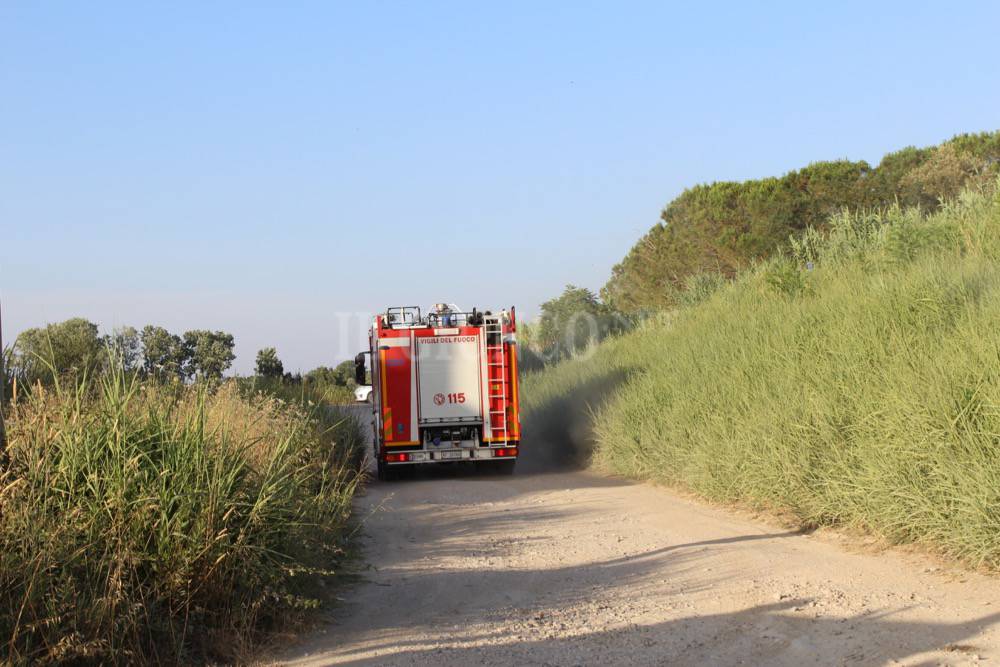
(322, 375)
(724, 227)
(210, 353)
(344, 374)
(72, 346)
(941, 176)
(124, 347)
(268, 363)
(340, 376)
(574, 320)
(163, 353)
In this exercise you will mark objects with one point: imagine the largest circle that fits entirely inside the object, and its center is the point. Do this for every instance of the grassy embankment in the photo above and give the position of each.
(862, 392)
(143, 523)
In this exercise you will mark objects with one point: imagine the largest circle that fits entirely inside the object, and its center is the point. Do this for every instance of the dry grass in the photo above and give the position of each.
(863, 391)
(151, 524)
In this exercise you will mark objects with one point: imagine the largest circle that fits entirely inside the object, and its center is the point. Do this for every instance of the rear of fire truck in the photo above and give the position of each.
(444, 387)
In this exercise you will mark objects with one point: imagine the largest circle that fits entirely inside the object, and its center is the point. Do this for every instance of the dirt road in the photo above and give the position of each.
(570, 568)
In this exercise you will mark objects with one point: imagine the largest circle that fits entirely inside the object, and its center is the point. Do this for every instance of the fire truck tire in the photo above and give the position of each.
(504, 467)
(386, 473)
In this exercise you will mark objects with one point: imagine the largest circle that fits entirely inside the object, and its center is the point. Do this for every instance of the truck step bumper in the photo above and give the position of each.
(450, 455)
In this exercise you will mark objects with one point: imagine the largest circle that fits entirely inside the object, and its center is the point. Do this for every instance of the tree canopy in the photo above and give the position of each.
(74, 347)
(342, 375)
(125, 346)
(268, 364)
(64, 347)
(163, 353)
(723, 227)
(572, 321)
(210, 353)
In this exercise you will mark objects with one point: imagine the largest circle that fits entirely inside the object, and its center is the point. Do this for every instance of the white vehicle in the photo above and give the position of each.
(363, 393)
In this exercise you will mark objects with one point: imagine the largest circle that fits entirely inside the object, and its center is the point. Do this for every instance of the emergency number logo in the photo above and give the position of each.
(439, 399)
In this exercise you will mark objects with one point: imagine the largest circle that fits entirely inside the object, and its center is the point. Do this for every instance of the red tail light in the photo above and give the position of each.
(397, 458)
(505, 451)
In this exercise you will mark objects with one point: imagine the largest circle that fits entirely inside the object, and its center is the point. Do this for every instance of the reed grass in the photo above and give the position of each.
(853, 382)
(148, 523)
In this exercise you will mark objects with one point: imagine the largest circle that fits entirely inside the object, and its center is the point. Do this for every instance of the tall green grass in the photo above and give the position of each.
(142, 523)
(854, 382)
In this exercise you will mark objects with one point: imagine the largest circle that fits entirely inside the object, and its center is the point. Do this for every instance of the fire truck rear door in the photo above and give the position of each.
(449, 379)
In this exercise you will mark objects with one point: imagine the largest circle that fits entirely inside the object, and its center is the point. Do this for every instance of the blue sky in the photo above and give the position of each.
(264, 168)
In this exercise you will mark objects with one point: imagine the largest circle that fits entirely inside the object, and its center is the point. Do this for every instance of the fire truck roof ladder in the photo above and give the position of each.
(493, 329)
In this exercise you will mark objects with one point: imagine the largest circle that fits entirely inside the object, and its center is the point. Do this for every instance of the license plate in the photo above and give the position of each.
(449, 455)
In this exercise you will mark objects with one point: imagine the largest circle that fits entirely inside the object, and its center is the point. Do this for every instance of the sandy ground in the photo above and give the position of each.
(571, 568)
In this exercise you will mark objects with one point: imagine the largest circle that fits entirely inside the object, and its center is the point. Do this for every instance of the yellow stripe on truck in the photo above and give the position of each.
(386, 410)
(515, 420)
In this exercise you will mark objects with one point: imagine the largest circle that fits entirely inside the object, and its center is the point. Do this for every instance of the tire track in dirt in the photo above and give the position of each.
(571, 568)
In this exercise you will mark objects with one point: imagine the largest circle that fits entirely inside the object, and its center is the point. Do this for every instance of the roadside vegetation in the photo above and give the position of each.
(74, 348)
(850, 379)
(322, 385)
(724, 228)
(154, 512)
(569, 324)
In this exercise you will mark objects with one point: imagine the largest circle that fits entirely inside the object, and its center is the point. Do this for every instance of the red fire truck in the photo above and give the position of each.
(444, 387)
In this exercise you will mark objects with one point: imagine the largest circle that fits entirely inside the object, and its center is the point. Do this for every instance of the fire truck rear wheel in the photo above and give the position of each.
(386, 473)
(504, 467)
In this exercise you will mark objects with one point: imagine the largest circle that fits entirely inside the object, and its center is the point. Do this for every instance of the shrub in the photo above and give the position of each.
(784, 276)
(700, 287)
(144, 523)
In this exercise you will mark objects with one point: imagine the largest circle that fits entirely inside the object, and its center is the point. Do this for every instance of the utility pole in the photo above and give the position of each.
(3, 391)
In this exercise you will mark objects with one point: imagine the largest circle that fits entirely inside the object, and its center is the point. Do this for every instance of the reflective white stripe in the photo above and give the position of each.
(446, 332)
(414, 429)
(394, 342)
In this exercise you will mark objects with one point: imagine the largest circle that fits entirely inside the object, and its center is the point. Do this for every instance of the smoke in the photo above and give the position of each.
(558, 431)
